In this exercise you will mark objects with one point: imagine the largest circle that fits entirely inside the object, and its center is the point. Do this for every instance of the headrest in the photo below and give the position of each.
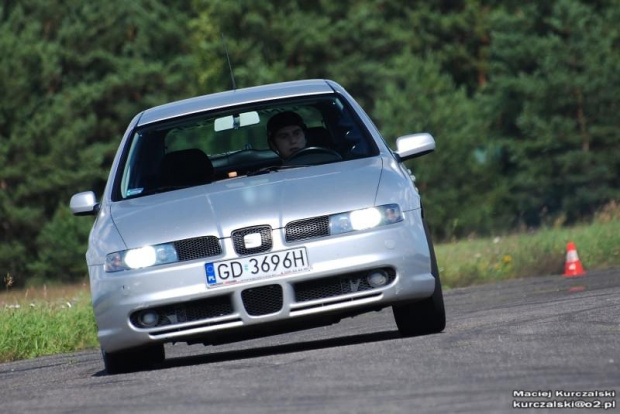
(187, 167)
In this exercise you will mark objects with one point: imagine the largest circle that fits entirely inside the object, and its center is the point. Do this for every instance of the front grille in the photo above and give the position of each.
(265, 236)
(198, 248)
(307, 229)
(263, 300)
(335, 286)
(186, 312)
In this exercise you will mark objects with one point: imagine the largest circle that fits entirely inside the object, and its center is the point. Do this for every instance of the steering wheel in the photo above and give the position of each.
(313, 156)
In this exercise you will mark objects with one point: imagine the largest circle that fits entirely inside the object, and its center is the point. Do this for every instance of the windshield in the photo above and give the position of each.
(231, 144)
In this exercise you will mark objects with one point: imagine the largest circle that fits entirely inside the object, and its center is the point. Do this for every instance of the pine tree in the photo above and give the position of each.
(457, 180)
(76, 73)
(552, 96)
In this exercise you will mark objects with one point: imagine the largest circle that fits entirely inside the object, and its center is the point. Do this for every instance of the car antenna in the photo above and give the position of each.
(232, 75)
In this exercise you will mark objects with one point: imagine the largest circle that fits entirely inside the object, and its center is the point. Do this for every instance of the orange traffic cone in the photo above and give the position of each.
(573, 265)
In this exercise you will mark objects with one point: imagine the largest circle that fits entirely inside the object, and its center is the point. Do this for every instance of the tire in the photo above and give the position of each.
(133, 360)
(426, 316)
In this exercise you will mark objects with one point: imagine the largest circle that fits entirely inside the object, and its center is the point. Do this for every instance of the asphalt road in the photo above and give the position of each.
(535, 335)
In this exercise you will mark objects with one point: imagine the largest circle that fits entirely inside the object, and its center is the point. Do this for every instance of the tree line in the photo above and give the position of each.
(521, 96)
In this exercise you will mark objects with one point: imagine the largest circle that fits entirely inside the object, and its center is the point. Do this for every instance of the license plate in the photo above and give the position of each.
(257, 267)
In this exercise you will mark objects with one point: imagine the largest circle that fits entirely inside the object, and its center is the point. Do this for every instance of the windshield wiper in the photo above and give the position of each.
(273, 168)
(157, 190)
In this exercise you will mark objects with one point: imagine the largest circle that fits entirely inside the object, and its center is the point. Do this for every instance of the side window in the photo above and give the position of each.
(142, 169)
(129, 185)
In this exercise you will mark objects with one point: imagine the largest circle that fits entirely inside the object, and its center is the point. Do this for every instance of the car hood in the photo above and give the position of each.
(272, 199)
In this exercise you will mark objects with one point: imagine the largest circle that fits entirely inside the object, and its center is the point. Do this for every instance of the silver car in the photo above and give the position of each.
(255, 212)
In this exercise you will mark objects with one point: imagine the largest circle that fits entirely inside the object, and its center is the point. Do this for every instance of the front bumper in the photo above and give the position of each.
(335, 285)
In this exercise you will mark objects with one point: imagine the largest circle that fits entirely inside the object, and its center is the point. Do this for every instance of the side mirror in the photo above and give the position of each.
(84, 204)
(415, 145)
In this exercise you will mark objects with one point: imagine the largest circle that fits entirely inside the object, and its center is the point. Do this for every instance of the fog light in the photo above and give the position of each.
(377, 278)
(148, 319)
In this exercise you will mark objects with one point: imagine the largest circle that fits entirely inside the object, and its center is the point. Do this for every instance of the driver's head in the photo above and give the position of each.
(286, 133)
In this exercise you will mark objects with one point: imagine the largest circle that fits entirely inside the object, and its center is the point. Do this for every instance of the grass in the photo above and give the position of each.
(43, 321)
(470, 262)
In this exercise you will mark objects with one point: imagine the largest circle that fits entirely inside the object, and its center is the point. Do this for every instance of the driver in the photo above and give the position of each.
(286, 133)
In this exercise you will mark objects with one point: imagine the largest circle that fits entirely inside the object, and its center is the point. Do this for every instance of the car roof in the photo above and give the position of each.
(235, 97)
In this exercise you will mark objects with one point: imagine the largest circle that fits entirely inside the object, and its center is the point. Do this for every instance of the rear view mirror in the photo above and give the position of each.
(236, 121)
(84, 204)
(415, 145)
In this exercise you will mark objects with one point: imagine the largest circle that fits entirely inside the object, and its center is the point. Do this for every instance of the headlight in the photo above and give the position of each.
(142, 257)
(364, 219)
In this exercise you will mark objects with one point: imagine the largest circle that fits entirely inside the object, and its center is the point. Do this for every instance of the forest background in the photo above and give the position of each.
(522, 98)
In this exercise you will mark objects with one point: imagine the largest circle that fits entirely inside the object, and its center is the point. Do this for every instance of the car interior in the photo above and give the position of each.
(208, 147)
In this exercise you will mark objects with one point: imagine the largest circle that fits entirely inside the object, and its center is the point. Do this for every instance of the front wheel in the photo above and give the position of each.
(426, 316)
(133, 360)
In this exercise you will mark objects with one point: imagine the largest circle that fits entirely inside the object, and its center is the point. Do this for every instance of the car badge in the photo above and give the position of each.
(252, 240)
